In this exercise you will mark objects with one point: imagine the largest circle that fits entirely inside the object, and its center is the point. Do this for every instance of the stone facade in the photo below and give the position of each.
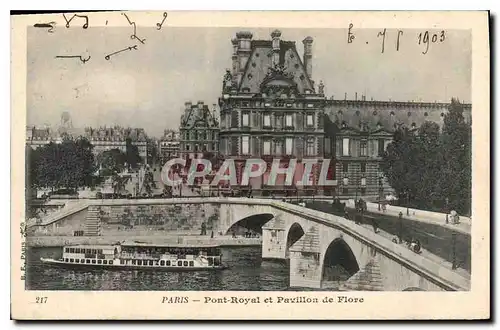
(270, 107)
(169, 145)
(357, 132)
(199, 131)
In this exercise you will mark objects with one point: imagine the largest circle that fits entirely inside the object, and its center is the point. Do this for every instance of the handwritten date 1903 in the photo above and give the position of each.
(426, 38)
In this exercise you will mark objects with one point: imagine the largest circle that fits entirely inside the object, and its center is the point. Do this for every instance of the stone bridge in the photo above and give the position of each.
(316, 243)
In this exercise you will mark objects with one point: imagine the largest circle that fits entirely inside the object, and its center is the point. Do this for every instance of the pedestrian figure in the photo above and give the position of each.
(384, 207)
(212, 236)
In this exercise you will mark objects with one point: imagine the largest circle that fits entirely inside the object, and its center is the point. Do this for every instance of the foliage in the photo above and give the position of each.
(132, 154)
(111, 162)
(428, 166)
(69, 164)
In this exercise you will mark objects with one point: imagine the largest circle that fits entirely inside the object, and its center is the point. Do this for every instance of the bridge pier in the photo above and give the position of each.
(273, 243)
(305, 261)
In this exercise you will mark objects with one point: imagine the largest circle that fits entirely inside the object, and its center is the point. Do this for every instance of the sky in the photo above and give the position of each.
(148, 87)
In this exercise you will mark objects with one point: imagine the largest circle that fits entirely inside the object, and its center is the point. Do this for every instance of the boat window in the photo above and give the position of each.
(82, 261)
(77, 250)
(139, 262)
(162, 263)
(87, 261)
(71, 260)
(186, 263)
(133, 262)
(66, 250)
(100, 251)
(66, 260)
(111, 262)
(210, 261)
(191, 264)
(151, 262)
(93, 261)
(77, 261)
(216, 261)
(168, 262)
(71, 250)
(99, 261)
(105, 262)
(179, 263)
(89, 251)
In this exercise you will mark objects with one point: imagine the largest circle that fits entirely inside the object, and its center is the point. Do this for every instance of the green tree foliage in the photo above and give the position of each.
(428, 165)
(69, 164)
(132, 154)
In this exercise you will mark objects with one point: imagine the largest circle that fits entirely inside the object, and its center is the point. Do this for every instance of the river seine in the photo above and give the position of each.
(247, 272)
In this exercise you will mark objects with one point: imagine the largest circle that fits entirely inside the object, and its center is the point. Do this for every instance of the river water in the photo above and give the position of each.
(247, 272)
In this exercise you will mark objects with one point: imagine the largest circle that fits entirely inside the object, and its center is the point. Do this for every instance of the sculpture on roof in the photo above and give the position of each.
(321, 87)
(227, 81)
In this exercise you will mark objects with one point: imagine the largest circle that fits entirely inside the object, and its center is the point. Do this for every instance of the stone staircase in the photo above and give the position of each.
(93, 222)
(367, 278)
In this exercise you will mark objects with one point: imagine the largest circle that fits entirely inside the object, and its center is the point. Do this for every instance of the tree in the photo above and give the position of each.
(132, 154)
(112, 162)
(69, 164)
(456, 181)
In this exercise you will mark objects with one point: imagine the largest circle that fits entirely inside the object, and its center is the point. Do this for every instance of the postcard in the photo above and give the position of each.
(182, 165)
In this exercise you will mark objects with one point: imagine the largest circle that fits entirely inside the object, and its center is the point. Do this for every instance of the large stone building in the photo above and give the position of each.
(169, 145)
(107, 138)
(40, 136)
(199, 131)
(358, 132)
(270, 106)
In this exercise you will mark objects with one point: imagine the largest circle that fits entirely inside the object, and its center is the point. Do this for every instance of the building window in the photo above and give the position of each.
(267, 147)
(267, 120)
(363, 182)
(345, 181)
(363, 167)
(245, 145)
(288, 146)
(345, 147)
(279, 121)
(345, 191)
(245, 120)
(310, 120)
(380, 147)
(363, 191)
(289, 121)
(279, 147)
(345, 167)
(310, 147)
(363, 148)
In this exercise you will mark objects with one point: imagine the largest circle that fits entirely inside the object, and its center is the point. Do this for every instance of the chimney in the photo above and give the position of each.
(275, 35)
(188, 105)
(308, 55)
(345, 96)
(244, 44)
(236, 62)
(356, 96)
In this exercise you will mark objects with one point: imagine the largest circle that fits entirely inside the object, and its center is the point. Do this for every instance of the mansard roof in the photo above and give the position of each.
(259, 66)
(374, 116)
(198, 115)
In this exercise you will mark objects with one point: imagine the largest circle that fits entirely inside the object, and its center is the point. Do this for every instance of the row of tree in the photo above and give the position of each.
(71, 164)
(430, 168)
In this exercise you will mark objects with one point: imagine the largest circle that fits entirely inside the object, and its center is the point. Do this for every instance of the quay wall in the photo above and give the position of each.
(56, 241)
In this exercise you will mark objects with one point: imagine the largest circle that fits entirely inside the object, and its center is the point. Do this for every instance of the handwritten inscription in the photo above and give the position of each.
(74, 56)
(49, 26)
(85, 26)
(107, 57)
(134, 35)
(159, 25)
(425, 38)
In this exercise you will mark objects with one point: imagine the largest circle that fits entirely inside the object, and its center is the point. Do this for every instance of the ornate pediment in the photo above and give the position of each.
(278, 82)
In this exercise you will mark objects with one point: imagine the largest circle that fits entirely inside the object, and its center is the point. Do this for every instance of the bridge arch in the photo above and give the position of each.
(339, 262)
(252, 222)
(293, 234)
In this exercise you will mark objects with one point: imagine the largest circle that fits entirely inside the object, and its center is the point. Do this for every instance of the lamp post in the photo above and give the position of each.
(454, 250)
(380, 191)
(447, 210)
(407, 202)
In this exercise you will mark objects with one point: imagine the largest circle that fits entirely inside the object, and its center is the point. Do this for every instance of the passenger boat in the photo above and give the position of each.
(142, 256)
